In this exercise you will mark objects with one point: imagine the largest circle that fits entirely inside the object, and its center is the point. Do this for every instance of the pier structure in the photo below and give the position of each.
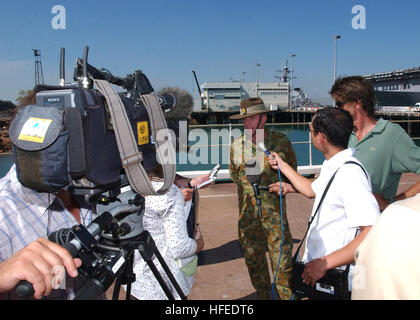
(409, 120)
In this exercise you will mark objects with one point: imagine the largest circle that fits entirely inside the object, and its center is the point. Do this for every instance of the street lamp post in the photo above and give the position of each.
(335, 55)
(291, 81)
(256, 71)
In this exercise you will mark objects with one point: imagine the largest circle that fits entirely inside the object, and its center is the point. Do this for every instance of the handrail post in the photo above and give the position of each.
(310, 148)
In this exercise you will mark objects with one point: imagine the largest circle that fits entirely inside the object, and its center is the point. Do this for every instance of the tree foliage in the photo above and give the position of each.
(6, 105)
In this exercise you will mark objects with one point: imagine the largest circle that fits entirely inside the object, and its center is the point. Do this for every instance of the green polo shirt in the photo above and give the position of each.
(387, 152)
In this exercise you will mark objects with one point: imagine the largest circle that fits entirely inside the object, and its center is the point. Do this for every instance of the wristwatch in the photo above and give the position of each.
(189, 184)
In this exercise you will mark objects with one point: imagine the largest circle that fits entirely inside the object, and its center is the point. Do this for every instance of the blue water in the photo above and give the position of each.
(204, 158)
(6, 161)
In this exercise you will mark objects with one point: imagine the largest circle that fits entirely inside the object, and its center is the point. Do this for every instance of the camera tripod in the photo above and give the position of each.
(147, 248)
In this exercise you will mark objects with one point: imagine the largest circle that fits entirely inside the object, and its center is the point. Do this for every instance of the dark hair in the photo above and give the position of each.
(355, 89)
(336, 124)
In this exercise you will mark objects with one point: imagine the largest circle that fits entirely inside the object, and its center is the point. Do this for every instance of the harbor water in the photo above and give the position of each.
(209, 145)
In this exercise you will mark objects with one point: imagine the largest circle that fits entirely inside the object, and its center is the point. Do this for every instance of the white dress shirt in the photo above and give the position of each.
(348, 205)
(27, 215)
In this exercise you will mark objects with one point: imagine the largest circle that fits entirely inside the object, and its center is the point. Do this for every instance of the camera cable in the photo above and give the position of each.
(281, 243)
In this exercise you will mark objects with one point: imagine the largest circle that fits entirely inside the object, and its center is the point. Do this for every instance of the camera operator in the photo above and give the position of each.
(349, 206)
(28, 216)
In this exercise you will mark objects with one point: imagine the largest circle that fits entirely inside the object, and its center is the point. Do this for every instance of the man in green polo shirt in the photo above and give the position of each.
(384, 148)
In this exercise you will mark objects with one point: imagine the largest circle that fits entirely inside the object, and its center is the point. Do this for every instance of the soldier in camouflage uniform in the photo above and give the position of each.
(255, 233)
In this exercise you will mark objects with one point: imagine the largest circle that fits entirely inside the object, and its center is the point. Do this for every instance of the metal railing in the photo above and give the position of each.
(309, 169)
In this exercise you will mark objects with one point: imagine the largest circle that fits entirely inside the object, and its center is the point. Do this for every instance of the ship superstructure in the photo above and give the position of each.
(396, 89)
(227, 96)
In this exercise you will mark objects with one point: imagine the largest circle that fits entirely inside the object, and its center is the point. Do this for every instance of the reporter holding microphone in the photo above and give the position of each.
(349, 209)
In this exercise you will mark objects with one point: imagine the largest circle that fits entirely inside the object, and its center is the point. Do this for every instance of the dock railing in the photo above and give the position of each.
(224, 175)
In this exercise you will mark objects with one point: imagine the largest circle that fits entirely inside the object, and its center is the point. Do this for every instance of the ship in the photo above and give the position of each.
(397, 91)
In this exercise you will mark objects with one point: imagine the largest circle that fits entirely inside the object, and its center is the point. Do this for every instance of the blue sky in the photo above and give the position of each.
(218, 39)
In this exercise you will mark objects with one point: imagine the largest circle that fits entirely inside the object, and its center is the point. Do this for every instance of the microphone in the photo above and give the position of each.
(182, 106)
(261, 147)
(177, 117)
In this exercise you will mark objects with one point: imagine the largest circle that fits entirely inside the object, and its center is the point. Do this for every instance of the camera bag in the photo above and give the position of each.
(40, 138)
(334, 284)
(55, 144)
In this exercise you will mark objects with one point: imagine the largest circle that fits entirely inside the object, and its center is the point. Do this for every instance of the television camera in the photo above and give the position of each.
(94, 142)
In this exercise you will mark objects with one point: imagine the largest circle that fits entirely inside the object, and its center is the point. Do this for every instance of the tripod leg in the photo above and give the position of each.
(129, 275)
(169, 274)
(160, 280)
(117, 286)
(147, 249)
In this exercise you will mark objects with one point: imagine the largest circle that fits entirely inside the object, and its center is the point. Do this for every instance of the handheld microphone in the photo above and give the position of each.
(261, 147)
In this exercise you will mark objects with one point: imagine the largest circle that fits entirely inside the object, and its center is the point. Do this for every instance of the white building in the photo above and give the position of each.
(227, 96)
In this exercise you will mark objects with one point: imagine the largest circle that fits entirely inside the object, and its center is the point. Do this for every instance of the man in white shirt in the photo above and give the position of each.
(349, 208)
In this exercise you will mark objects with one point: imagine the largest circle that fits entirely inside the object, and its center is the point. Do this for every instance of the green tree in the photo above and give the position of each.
(22, 94)
(6, 105)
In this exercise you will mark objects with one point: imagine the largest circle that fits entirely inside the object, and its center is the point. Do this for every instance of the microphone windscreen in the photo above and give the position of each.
(184, 103)
(261, 146)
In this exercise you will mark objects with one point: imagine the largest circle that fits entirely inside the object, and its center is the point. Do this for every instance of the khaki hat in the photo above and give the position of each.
(250, 107)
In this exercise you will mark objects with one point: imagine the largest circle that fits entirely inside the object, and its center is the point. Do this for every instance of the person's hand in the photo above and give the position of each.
(199, 180)
(275, 160)
(314, 270)
(382, 202)
(285, 188)
(275, 188)
(199, 239)
(187, 194)
(37, 264)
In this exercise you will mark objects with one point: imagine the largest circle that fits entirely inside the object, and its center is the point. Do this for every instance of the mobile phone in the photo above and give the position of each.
(214, 172)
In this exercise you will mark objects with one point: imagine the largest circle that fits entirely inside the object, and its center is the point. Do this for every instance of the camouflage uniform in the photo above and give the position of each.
(256, 234)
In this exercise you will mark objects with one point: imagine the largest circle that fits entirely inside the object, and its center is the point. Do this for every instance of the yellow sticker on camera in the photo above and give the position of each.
(142, 133)
(35, 130)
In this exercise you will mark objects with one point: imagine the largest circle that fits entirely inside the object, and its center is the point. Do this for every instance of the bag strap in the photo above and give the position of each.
(320, 202)
(131, 157)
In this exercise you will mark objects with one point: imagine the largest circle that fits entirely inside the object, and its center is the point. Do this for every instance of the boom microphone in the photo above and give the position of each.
(178, 116)
(183, 105)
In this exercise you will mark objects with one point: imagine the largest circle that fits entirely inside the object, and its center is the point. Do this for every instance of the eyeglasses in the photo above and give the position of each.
(339, 104)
